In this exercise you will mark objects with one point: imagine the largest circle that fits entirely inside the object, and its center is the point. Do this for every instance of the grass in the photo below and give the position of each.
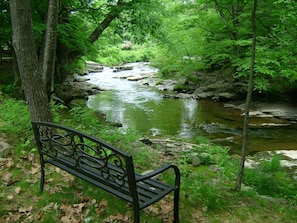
(206, 191)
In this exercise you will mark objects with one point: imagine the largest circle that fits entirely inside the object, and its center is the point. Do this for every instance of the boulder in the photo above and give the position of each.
(93, 67)
(5, 149)
(196, 161)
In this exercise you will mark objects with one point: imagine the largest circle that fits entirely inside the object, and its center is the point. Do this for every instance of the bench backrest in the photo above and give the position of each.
(88, 156)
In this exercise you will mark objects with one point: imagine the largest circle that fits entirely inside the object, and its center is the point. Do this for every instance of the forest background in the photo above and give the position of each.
(181, 38)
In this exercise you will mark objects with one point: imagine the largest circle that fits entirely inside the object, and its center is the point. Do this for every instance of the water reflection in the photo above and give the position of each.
(190, 108)
(188, 118)
(144, 110)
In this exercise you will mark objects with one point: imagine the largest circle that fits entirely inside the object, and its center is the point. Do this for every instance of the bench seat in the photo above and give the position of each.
(102, 165)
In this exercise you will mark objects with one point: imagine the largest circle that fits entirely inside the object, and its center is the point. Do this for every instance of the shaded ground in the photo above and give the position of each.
(69, 200)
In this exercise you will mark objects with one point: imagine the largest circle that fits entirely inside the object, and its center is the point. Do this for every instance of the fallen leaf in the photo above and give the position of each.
(78, 207)
(197, 217)
(6, 177)
(57, 170)
(24, 210)
(93, 201)
(119, 218)
(34, 170)
(71, 212)
(69, 219)
(67, 209)
(9, 163)
(51, 206)
(29, 157)
(102, 206)
(166, 207)
(6, 162)
(152, 209)
(17, 190)
(13, 218)
(33, 181)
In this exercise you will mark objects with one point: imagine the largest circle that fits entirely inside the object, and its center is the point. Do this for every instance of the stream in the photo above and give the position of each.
(143, 109)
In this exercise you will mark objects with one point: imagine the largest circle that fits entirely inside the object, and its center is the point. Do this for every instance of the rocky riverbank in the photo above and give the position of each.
(211, 86)
(188, 152)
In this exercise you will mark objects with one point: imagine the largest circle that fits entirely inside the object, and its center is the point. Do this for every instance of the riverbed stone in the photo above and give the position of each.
(93, 67)
(80, 79)
(196, 161)
(136, 78)
(5, 149)
(121, 68)
(216, 87)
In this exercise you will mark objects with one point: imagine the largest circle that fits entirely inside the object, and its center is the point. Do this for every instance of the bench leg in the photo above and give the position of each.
(176, 204)
(42, 178)
(136, 215)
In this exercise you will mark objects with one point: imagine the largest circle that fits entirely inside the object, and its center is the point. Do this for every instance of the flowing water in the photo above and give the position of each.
(145, 110)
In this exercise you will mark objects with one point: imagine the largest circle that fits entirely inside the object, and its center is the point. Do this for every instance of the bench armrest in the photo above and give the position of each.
(161, 170)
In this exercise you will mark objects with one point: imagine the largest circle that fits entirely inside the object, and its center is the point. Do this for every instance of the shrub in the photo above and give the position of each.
(269, 178)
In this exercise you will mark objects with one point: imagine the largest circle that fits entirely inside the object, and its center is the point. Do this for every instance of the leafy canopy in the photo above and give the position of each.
(212, 35)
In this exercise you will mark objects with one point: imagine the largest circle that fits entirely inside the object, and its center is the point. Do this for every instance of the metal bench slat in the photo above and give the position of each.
(102, 165)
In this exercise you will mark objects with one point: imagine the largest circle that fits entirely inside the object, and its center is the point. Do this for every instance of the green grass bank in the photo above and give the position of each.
(207, 195)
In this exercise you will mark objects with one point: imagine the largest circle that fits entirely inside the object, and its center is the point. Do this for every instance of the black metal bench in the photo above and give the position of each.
(102, 165)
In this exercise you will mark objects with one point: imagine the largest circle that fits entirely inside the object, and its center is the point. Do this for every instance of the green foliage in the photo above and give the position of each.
(269, 178)
(202, 140)
(142, 20)
(8, 89)
(207, 195)
(201, 35)
(15, 124)
(77, 67)
(109, 56)
(182, 88)
(211, 36)
(14, 116)
(86, 120)
(73, 35)
(208, 154)
(205, 189)
(84, 116)
(5, 31)
(204, 192)
(114, 55)
(137, 22)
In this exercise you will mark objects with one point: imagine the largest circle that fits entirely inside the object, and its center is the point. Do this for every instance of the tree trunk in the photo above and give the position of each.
(29, 67)
(248, 99)
(49, 53)
(65, 56)
(16, 73)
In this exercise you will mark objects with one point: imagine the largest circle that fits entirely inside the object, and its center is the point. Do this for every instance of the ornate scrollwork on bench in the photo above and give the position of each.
(102, 165)
(60, 144)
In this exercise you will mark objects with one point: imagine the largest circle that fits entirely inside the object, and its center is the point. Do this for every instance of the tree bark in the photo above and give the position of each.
(103, 25)
(65, 56)
(48, 58)
(29, 67)
(248, 99)
(93, 37)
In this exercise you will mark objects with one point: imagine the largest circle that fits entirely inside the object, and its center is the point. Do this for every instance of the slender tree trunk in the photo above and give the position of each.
(65, 56)
(94, 36)
(248, 99)
(49, 53)
(26, 54)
